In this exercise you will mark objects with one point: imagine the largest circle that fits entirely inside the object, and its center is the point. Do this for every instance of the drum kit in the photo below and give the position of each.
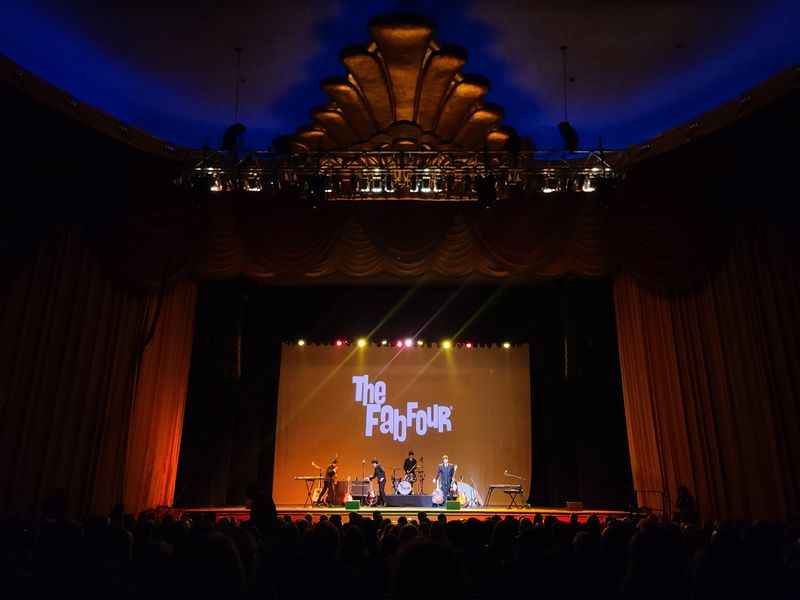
(404, 486)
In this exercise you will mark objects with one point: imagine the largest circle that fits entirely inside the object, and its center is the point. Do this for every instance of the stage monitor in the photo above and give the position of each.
(472, 404)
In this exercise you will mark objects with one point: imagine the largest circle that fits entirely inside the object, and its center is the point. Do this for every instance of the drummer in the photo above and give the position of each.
(410, 467)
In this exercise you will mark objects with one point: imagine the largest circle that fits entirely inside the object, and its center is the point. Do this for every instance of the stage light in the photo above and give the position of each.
(506, 345)
(339, 343)
(447, 344)
(468, 345)
(550, 186)
(384, 342)
(409, 342)
(399, 343)
(301, 342)
(361, 342)
(420, 343)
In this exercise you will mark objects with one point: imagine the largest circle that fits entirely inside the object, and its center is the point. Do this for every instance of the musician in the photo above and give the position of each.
(444, 476)
(379, 474)
(410, 466)
(327, 486)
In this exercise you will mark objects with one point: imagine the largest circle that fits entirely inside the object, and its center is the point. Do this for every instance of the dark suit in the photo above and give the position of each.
(445, 476)
(380, 475)
(327, 487)
(409, 466)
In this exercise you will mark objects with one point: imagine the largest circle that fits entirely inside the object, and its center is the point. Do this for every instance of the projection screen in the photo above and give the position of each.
(381, 401)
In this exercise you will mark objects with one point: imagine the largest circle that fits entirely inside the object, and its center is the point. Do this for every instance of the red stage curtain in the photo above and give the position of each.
(69, 341)
(157, 414)
(547, 235)
(406, 243)
(283, 236)
(671, 232)
(154, 235)
(269, 238)
(711, 385)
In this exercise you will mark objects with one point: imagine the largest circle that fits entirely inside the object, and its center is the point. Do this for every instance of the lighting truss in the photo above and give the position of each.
(402, 175)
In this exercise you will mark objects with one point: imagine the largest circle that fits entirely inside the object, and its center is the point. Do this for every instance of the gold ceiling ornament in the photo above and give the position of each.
(404, 91)
(404, 123)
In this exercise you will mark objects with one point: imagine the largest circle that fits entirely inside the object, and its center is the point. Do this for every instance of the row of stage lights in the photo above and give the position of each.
(406, 343)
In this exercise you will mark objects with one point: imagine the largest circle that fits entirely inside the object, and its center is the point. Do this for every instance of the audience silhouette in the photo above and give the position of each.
(369, 556)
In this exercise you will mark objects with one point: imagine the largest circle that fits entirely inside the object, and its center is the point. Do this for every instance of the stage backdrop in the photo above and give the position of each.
(472, 404)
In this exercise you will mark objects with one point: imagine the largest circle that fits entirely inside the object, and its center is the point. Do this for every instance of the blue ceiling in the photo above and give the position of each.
(639, 67)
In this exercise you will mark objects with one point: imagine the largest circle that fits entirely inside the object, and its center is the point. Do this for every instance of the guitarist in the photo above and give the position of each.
(379, 474)
(327, 487)
(444, 476)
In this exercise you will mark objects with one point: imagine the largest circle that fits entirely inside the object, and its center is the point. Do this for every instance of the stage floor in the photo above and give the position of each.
(240, 513)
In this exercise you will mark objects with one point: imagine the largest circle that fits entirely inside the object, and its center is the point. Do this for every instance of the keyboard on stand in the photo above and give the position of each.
(514, 490)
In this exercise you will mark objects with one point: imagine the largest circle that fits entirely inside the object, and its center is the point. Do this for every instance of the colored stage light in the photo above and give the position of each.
(447, 344)
(399, 343)
(420, 343)
(506, 345)
(361, 342)
(384, 342)
(301, 342)
(339, 343)
(409, 342)
(468, 345)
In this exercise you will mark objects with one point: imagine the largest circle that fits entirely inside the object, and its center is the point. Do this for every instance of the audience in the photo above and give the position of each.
(369, 556)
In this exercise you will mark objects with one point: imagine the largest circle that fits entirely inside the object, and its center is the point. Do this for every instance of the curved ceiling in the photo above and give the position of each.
(636, 68)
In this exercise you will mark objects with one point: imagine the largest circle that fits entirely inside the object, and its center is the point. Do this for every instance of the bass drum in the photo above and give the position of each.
(404, 488)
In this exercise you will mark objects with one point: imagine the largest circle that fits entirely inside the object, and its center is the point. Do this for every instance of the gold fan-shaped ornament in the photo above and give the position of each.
(404, 91)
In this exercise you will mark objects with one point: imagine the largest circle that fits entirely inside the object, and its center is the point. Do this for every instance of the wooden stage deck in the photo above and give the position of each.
(295, 512)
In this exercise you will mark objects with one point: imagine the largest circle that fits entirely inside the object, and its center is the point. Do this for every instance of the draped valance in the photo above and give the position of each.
(276, 239)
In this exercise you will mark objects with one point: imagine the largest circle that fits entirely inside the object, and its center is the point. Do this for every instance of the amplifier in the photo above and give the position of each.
(352, 505)
(453, 505)
(574, 505)
(359, 489)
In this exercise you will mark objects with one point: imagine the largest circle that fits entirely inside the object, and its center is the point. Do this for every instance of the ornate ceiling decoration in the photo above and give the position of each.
(404, 91)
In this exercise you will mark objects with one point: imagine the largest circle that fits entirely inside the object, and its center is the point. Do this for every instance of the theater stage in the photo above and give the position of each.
(241, 513)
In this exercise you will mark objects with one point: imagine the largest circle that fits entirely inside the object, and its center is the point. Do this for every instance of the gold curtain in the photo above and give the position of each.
(711, 385)
(73, 418)
(70, 338)
(157, 415)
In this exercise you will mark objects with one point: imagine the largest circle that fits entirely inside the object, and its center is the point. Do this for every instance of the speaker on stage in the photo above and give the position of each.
(453, 505)
(352, 505)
